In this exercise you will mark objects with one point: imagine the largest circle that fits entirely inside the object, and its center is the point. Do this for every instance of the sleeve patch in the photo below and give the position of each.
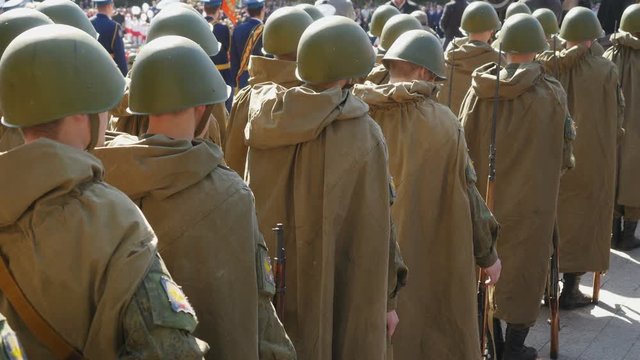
(177, 298)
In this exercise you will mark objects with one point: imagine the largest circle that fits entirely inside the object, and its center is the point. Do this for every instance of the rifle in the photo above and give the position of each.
(554, 274)
(596, 287)
(483, 292)
(279, 270)
(451, 80)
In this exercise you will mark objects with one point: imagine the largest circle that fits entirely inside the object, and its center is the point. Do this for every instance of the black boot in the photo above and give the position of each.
(571, 297)
(616, 232)
(629, 241)
(514, 348)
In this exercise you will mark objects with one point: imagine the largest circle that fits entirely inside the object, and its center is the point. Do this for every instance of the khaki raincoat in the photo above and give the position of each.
(261, 70)
(10, 138)
(204, 216)
(318, 164)
(585, 205)
(464, 56)
(625, 53)
(428, 161)
(532, 111)
(379, 75)
(88, 246)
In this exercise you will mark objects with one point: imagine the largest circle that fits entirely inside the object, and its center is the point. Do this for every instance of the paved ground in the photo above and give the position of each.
(608, 331)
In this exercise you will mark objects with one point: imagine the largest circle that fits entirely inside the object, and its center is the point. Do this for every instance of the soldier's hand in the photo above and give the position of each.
(493, 273)
(392, 322)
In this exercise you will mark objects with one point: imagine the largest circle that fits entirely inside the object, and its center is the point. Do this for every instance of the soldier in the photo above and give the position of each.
(451, 18)
(12, 24)
(436, 199)
(110, 33)
(480, 22)
(339, 7)
(281, 35)
(531, 109)
(550, 26)
(625, 53)
(202, 211)
(181, 20)
(585, 215)
(516, 7)
(68, 13)
(223, 33)
(380, 16)
(246, 41)
(82, 275)
(318, 163)
(310, 10)
(554, 6)
(396, 26)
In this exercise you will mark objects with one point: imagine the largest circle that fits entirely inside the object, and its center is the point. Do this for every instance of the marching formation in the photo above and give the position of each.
(298, 188)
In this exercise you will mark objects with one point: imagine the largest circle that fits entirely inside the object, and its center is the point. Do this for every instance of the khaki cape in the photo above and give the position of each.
(84, 239)
(318, 164)
(261, 70)
(204, 217)
(427, 159)
(625, 53)
(532, 111)
(585, 205)
(379, 75)
(461, 59)
(10, 138)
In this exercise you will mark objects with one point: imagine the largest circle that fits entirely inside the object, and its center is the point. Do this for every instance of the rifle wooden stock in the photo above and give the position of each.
(279, 270)
(597, 277)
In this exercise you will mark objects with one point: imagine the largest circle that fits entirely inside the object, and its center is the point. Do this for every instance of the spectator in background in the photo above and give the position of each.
(610, 13)
(434, 14)
(405, 6)
(450, 21)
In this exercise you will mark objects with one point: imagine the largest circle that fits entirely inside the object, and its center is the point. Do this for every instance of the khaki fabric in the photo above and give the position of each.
(204, 216)
(625, 53)
(261, 70)
(70, 241)
(318, 163)
(10, 138)
(125, 122)
(532, 111)
(428, 160)
(585, 215)
(379, 75)
(464, 56)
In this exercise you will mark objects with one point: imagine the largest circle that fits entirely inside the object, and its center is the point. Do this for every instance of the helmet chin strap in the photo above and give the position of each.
(204, 121)
(94, 125)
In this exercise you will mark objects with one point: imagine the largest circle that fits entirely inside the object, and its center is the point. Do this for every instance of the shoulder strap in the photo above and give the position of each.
(255, 35)
(38, 326)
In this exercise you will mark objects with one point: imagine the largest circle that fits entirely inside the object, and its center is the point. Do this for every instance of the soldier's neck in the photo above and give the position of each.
(179, 126)
(482, 37)
(520, 58)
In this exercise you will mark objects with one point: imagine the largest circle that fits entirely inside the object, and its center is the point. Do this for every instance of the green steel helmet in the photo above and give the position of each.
(283, 29)
(380, 16)
(522, 34)
(17, 21)
(173, 73)
(580, 24)
(421, 48)
(68, 13)
(342, 7)
(630, 21)
(422, 17)
(311, 10)
(396, 26)
(517, 8)
(479, 17)
(53, 71)
(181, 21)
(334, 48)
(548, 20)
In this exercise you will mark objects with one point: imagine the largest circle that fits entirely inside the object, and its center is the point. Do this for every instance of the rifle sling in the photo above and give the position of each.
(38, 326)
